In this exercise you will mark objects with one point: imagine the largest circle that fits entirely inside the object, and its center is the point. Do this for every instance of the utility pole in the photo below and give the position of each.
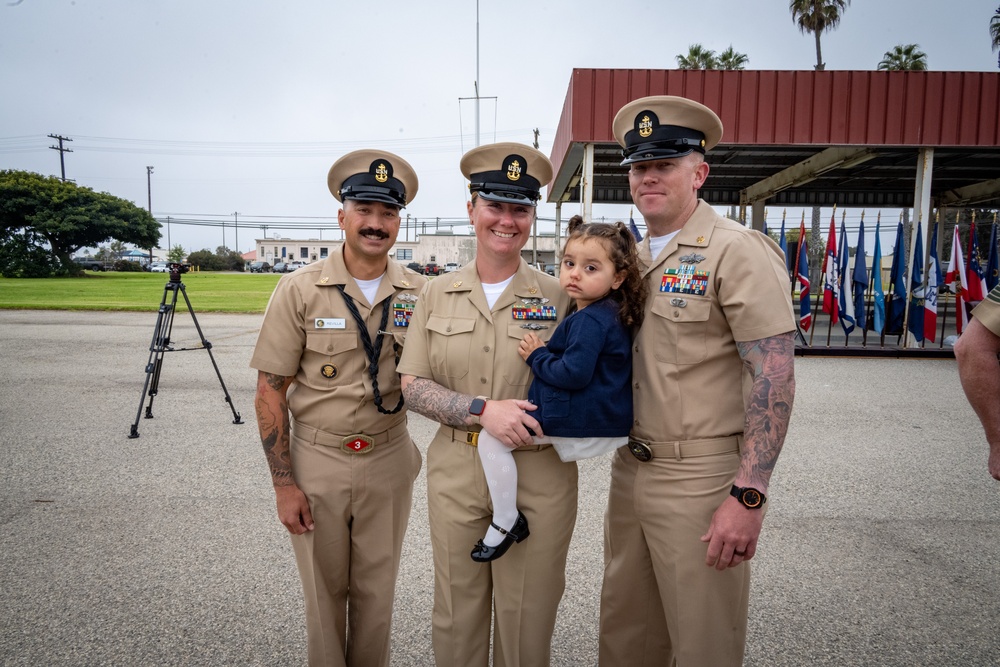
(149, 200)
(536, 137)
(62, 162)
(236, 224)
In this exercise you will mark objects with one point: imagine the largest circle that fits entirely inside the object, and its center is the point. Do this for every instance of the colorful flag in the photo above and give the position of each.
(845, 299)
(783, 242)
(931, 295)
(993, 263)
(830, 287)
(802, 272)
(974, 271)
(897, 283)
(878, 310)
(859, 279)
(635, 230)
(957, 283)
(916, 321)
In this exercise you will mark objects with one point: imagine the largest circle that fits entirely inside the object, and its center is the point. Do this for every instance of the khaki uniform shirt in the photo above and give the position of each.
(457, 342)
(730, 284)
(309, 333)
(988, 311)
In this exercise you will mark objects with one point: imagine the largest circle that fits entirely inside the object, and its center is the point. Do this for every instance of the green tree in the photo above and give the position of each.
(40, 214)
(902, 57)
(732, 59)
(176, 254)
(205, 260)
(815, 16)
(697, 57)
(995, 31)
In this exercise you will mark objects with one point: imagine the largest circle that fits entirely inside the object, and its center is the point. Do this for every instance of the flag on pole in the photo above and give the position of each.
(859, 279)
(897, 281)
(845, 299)
(830, 287)
(931, 295)
(957, 283)
(878, 311)
(993, 262)
(802, 272)
(783, 242)
(635, 230)
(974, 271)
(915, 324)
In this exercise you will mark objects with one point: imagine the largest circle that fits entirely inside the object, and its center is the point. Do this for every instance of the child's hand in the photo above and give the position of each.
(529, 344)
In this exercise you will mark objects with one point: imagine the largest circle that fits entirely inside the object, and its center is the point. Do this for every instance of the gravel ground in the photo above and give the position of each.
(880, 545)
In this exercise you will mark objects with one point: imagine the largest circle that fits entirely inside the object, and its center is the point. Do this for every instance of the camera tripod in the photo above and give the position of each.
(161, 344)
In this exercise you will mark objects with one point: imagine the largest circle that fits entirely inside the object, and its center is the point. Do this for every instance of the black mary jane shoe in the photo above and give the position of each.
(518, 532)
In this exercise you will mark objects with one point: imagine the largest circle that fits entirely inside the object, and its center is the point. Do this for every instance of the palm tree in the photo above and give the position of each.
(995, 31)
(815, 16)
(698, 57)
(730, 59)
(904, 57)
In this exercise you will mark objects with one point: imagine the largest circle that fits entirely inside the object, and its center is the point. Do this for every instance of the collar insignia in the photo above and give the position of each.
(457, 283)
(325, 280)
(405, 283)
(700, 239)
(533, 290)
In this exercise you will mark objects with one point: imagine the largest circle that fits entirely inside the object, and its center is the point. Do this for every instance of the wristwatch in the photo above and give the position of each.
(477, 408)
(750, 497)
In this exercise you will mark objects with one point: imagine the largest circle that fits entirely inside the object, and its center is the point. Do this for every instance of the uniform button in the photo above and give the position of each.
(483, 380)
(636, 385)
(448, 329)
(636, 349)
(677, 313)
(329, 348)
(486, 348)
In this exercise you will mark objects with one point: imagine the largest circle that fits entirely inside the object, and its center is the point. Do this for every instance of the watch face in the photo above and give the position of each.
(477, 407)
(751, 498)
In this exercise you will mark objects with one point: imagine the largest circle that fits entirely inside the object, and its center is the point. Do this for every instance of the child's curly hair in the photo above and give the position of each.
(621, 248)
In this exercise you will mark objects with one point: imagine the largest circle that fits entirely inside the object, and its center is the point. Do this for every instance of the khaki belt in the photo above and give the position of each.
(684, 449)
(355, 443)
(471, 438)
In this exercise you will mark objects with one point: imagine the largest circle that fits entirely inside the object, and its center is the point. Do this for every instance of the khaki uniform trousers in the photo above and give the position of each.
(526, 584)
(660, 604)
(348, 563)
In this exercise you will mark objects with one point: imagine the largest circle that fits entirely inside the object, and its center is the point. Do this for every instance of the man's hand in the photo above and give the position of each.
(509, 423)
(732, 535)
(529, 344)
(293, 509)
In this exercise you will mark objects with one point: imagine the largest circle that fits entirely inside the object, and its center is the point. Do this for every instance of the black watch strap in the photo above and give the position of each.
(748, 496)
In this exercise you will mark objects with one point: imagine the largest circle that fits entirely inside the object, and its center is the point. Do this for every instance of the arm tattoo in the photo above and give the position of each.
(771, 364)
(433, 401)
(271, 404)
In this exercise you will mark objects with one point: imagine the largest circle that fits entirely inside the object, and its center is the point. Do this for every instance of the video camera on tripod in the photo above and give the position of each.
(161, 344)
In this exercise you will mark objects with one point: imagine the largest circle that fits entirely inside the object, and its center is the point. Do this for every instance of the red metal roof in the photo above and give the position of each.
(769, 108)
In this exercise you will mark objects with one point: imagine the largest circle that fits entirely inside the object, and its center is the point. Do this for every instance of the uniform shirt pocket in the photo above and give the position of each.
(517, 373)
(326, 357)
(680, 328)
(449, 344)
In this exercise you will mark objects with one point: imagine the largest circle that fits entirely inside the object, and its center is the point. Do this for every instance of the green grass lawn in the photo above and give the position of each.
(208, 292)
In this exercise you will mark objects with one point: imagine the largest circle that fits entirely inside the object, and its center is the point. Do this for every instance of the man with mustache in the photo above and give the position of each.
(331, 414)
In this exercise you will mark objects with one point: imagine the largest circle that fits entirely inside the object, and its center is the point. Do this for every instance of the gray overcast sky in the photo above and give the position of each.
(244, 105)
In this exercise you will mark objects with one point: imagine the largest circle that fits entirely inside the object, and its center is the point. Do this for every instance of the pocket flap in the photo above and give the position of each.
(681, 307)
(449, 326)
(331, 342)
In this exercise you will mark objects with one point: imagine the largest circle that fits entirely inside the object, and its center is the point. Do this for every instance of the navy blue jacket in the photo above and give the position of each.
(583, 376)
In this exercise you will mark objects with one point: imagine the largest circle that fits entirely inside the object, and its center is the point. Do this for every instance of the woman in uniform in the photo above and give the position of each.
(461, 367)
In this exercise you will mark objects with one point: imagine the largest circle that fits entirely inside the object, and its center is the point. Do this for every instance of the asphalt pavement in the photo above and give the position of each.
(881, 544)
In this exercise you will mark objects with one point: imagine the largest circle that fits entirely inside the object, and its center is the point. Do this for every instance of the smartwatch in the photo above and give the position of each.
(750, 497)
(477, 408)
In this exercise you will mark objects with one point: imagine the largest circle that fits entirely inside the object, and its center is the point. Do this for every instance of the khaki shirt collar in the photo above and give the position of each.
(335, 273)
(696, 232)
(523, 286)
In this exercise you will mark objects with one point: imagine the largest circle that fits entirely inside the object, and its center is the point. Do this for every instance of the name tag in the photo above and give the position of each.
(331, 323)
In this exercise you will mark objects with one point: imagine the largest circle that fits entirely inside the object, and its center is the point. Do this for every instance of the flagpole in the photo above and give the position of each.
(869, 289)
(906, 294)
(836, 267)
(819, 296)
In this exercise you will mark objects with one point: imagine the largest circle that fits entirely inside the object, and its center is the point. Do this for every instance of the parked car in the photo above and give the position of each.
(415, 266)
(294, 265)
(89, 263)
(451, 266)
(432, 269)
(280, 267)
(159, 267)
(258, 267)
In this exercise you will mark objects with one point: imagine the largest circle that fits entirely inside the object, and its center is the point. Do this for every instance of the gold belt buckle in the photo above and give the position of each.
(472, 438)
(358, 444)
(640, 450)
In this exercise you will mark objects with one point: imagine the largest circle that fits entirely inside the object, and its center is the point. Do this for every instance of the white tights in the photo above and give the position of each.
(501, 477)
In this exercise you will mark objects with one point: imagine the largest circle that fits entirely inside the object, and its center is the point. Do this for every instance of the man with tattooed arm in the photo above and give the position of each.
(331, 414)
(713, 384)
